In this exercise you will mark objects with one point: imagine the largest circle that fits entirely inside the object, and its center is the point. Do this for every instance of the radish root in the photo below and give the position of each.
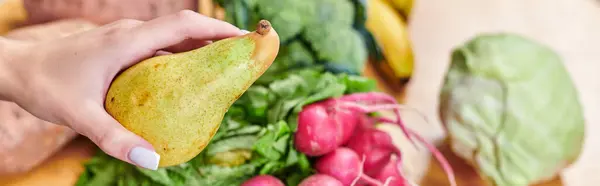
(388, 181)
(377, 98)
(436, 153)
(366, 178)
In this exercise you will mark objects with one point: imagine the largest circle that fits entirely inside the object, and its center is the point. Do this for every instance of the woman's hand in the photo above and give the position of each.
(65, 81)
(102, 11)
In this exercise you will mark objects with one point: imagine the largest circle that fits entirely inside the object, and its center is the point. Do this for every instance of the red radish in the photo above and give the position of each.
(348, 121)
(325, 125)
(317, 134)
(263, 180)
(320, 180)
(344, 165)
(322, 127)
(391, 174)
(376, 146)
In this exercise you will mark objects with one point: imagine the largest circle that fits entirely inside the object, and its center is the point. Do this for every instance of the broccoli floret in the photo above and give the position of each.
(287, 17)
(338, 12)
(288, 24)
(270, 8)
(300, 54)
(337, 46)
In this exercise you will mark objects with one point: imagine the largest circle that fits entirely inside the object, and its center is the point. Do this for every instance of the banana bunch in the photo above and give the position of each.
(12, 13)
(402, 6)
(387, 22)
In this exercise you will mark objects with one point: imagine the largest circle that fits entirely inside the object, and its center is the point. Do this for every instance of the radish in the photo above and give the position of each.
(391, 174)
(344, 165)
(321, 129)
(376, 146)
(320, 180)
(317, 133)
(324, 126)
(263, 180)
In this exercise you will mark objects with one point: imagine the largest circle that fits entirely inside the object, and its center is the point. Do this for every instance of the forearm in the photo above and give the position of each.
(4, 77)
(8, 51)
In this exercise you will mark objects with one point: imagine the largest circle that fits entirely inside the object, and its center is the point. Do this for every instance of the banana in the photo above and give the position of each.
(390, 31)
(404, 6)
(12, 13)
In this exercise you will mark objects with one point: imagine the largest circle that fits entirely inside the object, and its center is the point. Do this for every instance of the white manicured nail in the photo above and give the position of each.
(144, 158)
(245, 31)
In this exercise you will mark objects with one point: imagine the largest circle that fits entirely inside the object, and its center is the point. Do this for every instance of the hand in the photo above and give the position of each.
(65, 81)
(102, 11)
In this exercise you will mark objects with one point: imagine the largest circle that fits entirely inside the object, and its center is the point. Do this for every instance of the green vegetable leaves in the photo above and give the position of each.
(103, 170)
(255, 137)
(511, 108)
(270, 145)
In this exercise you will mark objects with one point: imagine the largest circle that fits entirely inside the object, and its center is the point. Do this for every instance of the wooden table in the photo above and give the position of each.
(570, 27)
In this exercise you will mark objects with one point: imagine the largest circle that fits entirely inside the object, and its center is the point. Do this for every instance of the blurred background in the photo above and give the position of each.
(406, 45)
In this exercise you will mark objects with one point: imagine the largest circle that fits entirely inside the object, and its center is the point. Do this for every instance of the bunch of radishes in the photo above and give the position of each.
(350, 151)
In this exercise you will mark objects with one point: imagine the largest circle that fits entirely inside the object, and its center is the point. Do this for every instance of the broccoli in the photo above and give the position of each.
(301, 55)
(288, 17)
(286, 30)
(336, 12)
(338, 46)
(327, 32)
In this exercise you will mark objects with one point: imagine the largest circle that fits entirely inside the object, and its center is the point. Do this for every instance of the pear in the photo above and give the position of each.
(177, 101)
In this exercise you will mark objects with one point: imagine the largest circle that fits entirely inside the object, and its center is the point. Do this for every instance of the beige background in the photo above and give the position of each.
(571, 27)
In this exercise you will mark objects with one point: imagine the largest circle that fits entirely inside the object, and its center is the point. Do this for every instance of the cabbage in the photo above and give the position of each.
(511, 109)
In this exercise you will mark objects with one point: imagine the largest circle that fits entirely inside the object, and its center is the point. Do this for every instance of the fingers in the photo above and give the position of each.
(115, 140)
(162, 52)
(187, 45)
(173, 29)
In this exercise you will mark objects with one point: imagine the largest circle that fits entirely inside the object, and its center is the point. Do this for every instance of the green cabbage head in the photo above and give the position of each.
(511, 109)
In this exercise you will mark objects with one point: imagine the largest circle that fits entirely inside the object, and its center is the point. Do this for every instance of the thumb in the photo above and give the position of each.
(116, 140)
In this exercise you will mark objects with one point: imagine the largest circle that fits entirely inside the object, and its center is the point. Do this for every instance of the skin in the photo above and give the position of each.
(65, 81)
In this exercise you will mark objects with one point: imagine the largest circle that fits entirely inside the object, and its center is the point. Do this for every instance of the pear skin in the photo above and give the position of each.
(177, 102)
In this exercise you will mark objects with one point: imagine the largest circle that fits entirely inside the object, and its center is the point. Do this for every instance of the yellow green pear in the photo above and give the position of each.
(177, 102)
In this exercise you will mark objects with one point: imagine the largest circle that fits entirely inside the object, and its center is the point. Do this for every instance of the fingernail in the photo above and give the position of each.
(245, 31)
(144, 158)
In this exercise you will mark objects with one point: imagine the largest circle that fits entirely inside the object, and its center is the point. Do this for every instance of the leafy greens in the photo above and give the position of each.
(255, 137)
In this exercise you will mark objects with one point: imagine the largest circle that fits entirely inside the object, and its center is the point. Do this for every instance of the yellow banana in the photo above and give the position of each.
(12, 13)
(404, 6)
(390, 31)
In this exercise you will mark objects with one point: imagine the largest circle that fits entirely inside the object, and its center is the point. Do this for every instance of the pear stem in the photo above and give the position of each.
(263, 27)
